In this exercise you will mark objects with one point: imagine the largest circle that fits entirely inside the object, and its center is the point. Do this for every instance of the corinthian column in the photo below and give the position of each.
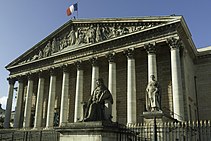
(18, 104)
(112, 82)
(178, 100)
(9, 104)
(64, 99)
(152, 65)
(79, 94)
(51, 100)
(131, 87)
(28, 104)
(39, 102)
(95, 73)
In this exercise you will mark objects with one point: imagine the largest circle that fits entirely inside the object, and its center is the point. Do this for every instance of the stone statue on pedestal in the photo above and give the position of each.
(96, 109)
(153, 97)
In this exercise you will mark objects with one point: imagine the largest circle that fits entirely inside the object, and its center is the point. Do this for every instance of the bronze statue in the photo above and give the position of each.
(153, 97)
(95, 110)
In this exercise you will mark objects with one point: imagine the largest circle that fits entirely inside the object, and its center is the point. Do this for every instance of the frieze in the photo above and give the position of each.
(79, 35)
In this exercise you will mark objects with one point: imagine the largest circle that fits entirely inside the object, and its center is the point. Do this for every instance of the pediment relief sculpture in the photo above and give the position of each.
(81, 35)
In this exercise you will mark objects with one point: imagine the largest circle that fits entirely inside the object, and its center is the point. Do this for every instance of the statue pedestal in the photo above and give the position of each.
(94, 131)
(154, 120)
(159, 115)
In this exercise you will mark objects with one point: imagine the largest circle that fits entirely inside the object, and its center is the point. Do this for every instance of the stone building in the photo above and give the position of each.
(57, 75)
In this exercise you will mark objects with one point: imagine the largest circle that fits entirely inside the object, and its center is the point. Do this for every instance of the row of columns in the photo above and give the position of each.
(131, 89)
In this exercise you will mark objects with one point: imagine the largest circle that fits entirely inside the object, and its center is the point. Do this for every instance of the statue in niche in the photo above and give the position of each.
(47, 50)
(90, 35)
(80, 38)
(71, 37)
(98, 34)
(153, 97)
(96, 109)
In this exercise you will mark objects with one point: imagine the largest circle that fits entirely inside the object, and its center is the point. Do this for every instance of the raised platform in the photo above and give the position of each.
(93, 131)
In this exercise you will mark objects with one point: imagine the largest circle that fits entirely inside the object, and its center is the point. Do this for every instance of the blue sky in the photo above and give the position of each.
(23, 23)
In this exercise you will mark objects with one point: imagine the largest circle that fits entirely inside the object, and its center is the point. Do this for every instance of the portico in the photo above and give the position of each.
(60, 81)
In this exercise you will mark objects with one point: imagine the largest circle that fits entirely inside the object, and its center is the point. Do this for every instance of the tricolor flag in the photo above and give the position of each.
(72, 8)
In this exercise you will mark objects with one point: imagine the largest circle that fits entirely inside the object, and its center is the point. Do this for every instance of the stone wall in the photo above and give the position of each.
(189, 86)
(203, 80)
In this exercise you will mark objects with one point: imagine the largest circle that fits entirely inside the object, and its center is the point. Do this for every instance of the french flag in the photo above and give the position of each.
(72, 8)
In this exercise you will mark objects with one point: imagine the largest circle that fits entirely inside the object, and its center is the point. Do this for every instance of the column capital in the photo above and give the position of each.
(94, 61)
(111, 56)
(129, 53)
(20, 79)
(78, 65)
(30, 76)
(11, 81)
(174, 43)
(150, 48)
(65, 67)
(41, 74)
(52, 71)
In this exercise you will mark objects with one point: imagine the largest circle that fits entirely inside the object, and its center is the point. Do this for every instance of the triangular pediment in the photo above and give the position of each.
(82, 32)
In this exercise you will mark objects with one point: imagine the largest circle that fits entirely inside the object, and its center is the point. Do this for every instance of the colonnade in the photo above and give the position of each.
(78, 112)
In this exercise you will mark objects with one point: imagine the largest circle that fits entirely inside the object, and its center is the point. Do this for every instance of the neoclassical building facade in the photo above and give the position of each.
(57, 75)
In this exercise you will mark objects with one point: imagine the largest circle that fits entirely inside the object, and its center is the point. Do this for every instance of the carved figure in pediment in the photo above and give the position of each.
(98, 34)
(63, 42)
(40, 54)
(90, 35)
(80, 38)
(113, 32)
(28, 60)
(125, 30)
(35, 57)
(47, 49)
(121, 31)
(71, 37)
(105, 33)
(54, 46)
(131, 29)
(140, 27)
